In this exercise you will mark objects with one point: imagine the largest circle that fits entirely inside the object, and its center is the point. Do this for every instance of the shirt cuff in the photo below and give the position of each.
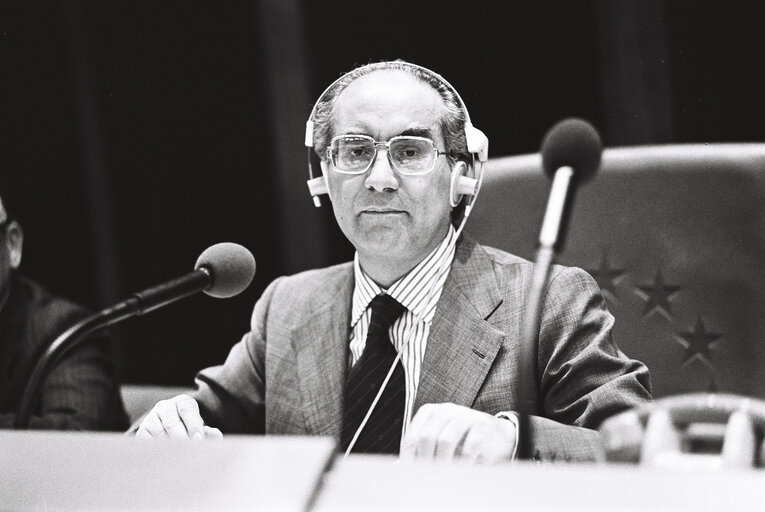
(512, 417)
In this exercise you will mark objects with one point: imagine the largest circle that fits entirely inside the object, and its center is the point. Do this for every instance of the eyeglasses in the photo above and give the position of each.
(409, 155)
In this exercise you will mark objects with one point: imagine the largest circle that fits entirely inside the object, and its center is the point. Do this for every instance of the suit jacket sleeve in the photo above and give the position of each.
(232, 396)
(584, 378)
(80, 392)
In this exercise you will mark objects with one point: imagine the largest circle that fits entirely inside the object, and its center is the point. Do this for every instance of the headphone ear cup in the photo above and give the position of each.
(461, 185)
(316, 187)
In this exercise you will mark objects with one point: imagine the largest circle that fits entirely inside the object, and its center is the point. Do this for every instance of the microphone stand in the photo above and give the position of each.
(136, 305)
(553, 225)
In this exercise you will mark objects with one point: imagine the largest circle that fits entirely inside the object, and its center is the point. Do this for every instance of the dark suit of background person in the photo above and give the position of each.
(287, 375)
(81, 392)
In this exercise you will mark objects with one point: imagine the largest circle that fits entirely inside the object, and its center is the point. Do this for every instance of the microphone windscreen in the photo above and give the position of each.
(231, 266)
(572, 143)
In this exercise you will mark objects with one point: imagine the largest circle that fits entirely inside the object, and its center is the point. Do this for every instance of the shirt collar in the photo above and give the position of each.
(427, 275)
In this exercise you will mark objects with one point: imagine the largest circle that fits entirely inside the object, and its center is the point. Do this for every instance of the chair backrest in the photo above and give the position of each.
(675, 236)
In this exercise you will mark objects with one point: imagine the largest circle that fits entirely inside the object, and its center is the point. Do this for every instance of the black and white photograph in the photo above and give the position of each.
(400, 255)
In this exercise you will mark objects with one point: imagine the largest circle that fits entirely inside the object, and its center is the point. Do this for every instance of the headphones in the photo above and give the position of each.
(461, 185)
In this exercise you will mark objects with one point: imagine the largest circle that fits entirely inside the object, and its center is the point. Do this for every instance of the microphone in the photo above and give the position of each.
(222, 271)
(571, 153)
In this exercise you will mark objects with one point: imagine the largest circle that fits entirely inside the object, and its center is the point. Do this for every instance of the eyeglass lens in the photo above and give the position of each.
(408, 154)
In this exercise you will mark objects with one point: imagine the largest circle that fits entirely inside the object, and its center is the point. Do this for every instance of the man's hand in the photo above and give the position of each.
(448, 431)
(176, 418)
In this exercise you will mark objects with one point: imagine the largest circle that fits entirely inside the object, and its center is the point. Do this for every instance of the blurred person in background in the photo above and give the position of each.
(80, 391)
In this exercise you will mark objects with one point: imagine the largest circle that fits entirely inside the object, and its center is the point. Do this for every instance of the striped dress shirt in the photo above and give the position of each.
(419, 292)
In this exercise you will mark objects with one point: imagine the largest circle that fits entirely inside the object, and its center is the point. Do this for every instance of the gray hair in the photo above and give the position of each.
(452, 117)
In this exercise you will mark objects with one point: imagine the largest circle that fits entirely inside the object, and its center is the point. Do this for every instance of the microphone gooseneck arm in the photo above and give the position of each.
(165, 293)
(553, 231)
(551, 236)
(137, 305)
(571, 153)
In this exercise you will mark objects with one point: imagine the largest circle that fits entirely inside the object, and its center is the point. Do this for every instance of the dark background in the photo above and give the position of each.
(135, 134)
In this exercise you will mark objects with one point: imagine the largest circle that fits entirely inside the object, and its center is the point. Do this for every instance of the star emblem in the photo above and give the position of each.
(607, 276)
(657, 295)
(698, 343)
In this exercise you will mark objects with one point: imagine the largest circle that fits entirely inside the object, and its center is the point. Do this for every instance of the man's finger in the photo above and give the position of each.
(494, 442)
(212, 433)
(150, 427)
(425, 429)
(412, 437)
(450, 439)
(168, 415)
(471, 448)
(188, 411)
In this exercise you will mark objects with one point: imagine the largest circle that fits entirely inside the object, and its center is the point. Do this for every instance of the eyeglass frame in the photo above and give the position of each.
(377, 144)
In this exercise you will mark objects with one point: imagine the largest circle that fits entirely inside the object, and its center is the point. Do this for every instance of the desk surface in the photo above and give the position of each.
(89, 471)
(86, 471)
(372, 483)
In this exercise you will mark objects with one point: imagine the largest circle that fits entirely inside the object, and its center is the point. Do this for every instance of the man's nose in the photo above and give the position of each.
(381, 176)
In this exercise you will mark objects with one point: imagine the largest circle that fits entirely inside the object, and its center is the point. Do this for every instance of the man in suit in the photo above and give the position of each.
(412, 347)
(81, 391)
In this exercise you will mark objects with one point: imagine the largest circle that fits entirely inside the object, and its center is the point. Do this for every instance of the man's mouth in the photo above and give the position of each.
(382, 211)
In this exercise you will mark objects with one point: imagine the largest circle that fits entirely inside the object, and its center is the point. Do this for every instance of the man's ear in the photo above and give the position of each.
(325, 175)
(15, 240)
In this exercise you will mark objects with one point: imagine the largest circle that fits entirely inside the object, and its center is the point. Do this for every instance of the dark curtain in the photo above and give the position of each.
(135, 134)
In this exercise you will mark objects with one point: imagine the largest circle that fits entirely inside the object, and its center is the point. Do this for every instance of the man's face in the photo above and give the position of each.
(5, 266)
(10, 250)
(390, 218)
(5, 263)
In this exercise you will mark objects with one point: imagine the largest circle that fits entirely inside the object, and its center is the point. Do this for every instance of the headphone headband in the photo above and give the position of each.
(476, 140)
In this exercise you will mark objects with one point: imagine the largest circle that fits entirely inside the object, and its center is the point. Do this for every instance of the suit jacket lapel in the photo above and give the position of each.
(321, 345)
(463, 342)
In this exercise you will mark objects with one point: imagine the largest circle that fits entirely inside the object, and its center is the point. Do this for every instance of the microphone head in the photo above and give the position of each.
(572, 143)
(231, 268)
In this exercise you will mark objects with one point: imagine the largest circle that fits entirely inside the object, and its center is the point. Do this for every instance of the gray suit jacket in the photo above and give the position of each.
(286, 376)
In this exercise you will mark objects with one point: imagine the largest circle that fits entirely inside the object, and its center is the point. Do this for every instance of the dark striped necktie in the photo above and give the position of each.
(382, 433)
